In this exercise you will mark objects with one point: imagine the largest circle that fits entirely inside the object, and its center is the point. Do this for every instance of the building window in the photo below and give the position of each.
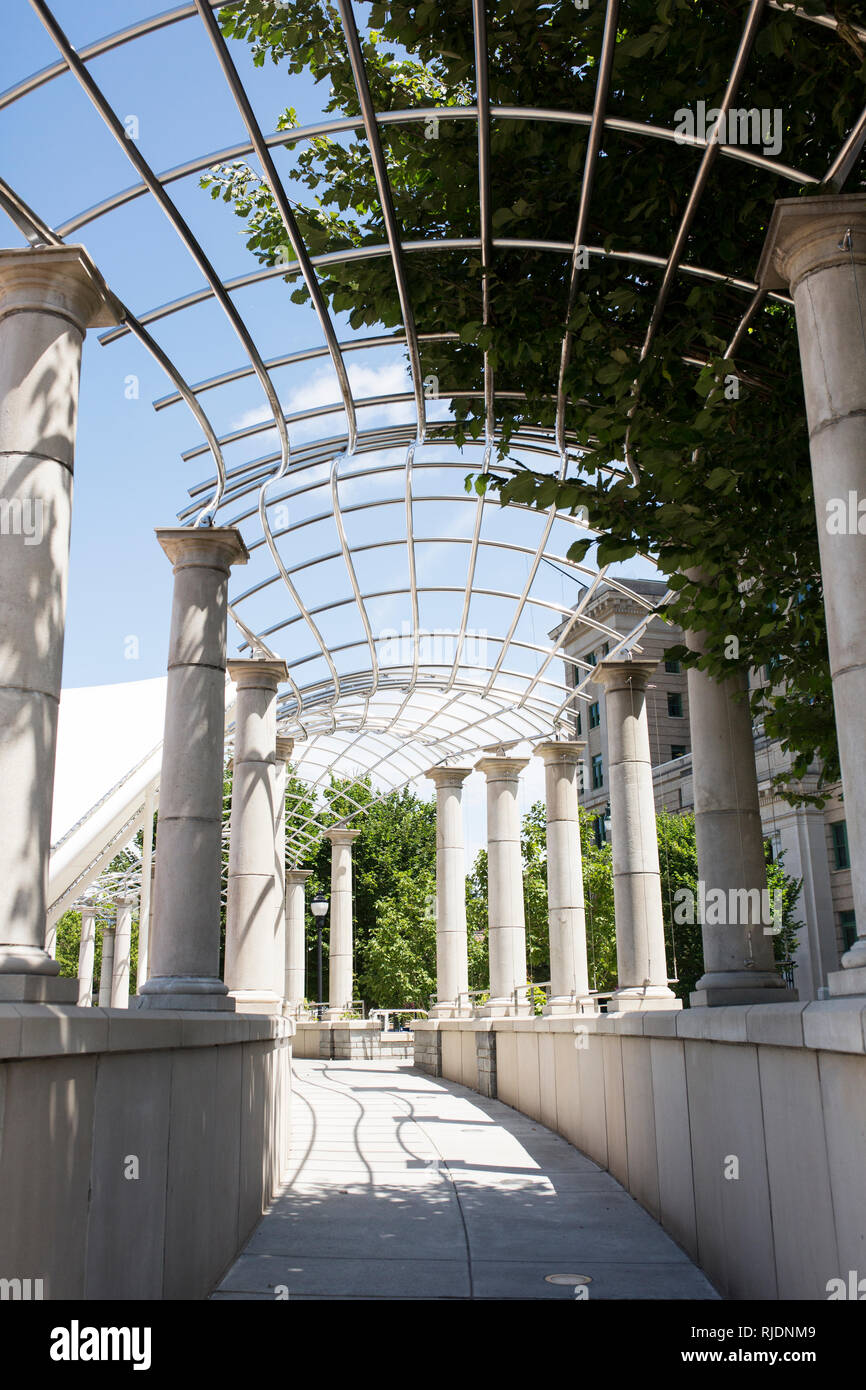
(605, 649)
(848, 923)
(597, 772)
(598, 831)
(839, 832)
(678, 750)
(594, 715)
(577, 724)
(675, 705)
(672, 668)
(773, 844)
(590, 656)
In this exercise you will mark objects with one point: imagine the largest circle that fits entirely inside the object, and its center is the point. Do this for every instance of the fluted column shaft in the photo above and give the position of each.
(340, 954)
(505, 910)
(284, 747)
(452, 961)
(124, 902)
(86, 953)
(255, 931)
(48, 299)
(637, 898)
(296, 954)
(737, 943)
(106, 968)
(816, 247)
(185, 947)
(566, 913)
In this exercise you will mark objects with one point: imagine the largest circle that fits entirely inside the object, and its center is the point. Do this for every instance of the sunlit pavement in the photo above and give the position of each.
(405, 1186)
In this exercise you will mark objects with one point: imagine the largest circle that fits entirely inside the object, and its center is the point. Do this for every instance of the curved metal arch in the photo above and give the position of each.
(422, 114)
(362, 253)
(153, 23)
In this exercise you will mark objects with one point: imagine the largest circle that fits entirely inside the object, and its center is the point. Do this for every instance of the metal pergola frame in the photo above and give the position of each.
(394, 722)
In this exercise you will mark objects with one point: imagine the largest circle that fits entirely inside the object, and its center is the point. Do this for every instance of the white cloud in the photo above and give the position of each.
(321, 388)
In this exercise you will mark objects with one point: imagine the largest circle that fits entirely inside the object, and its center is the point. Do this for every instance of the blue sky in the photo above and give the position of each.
(130, 477)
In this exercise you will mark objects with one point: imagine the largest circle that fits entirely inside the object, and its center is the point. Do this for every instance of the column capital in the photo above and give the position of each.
(125, 899)
(565, 751)
(285, 746)
(298, 875)
(807, 234)
(55, 279)
(339, 835)
(219, 547)
(448, 776)
(257, 673)
(623, 675)
(501, 767)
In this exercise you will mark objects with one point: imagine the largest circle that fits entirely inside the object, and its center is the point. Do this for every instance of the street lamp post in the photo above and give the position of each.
(319, 909)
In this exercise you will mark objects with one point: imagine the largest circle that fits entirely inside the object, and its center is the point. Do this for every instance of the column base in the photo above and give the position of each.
(38, 989)
(340, 1012)
(720, 987)
(502, 1008)
(197, 992)
(855, 957)
(256, 1002)
(18, 959)
(450, 1010)
(643, 999)
(715, 997)
(569, 1006)
(839, 982)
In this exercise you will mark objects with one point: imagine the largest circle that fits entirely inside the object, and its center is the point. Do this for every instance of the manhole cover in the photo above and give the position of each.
(567, 1279)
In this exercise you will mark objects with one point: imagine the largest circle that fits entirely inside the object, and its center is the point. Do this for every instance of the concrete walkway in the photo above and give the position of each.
(404, 1186)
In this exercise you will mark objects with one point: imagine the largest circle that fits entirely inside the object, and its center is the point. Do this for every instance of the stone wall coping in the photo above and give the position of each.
(827, 1025)
(49, 1030)
(360, 1025)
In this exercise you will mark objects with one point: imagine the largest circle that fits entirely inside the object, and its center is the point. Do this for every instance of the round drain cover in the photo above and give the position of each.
(567, 1279)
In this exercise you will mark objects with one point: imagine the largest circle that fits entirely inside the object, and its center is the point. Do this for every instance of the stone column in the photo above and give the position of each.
(144, 906)
(255, 932)
(340, 955)
(732, 872)
(284, 747)
(296, 941)
(106, 969)
(48, 300)
(566, 914)
(184, 950)
(817, 248)
(124, 902)
(637, 897)
(505, 913)
(86, 951)
(452, 961)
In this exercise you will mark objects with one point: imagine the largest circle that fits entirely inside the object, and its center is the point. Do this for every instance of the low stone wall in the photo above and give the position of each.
(742, 1130)
(137, 1150)
(346, 1040)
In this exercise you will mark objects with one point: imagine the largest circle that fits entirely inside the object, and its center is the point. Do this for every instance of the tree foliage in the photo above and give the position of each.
(723, 479)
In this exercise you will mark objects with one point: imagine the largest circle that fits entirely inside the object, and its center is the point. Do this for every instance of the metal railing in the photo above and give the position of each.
(531, 999)
(387, 1014)
(356, 1008)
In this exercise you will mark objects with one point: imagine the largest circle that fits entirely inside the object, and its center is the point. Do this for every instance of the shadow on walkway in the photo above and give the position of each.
(406, 1186)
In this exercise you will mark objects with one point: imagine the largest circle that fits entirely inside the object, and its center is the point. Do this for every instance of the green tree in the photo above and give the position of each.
(400, 951)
